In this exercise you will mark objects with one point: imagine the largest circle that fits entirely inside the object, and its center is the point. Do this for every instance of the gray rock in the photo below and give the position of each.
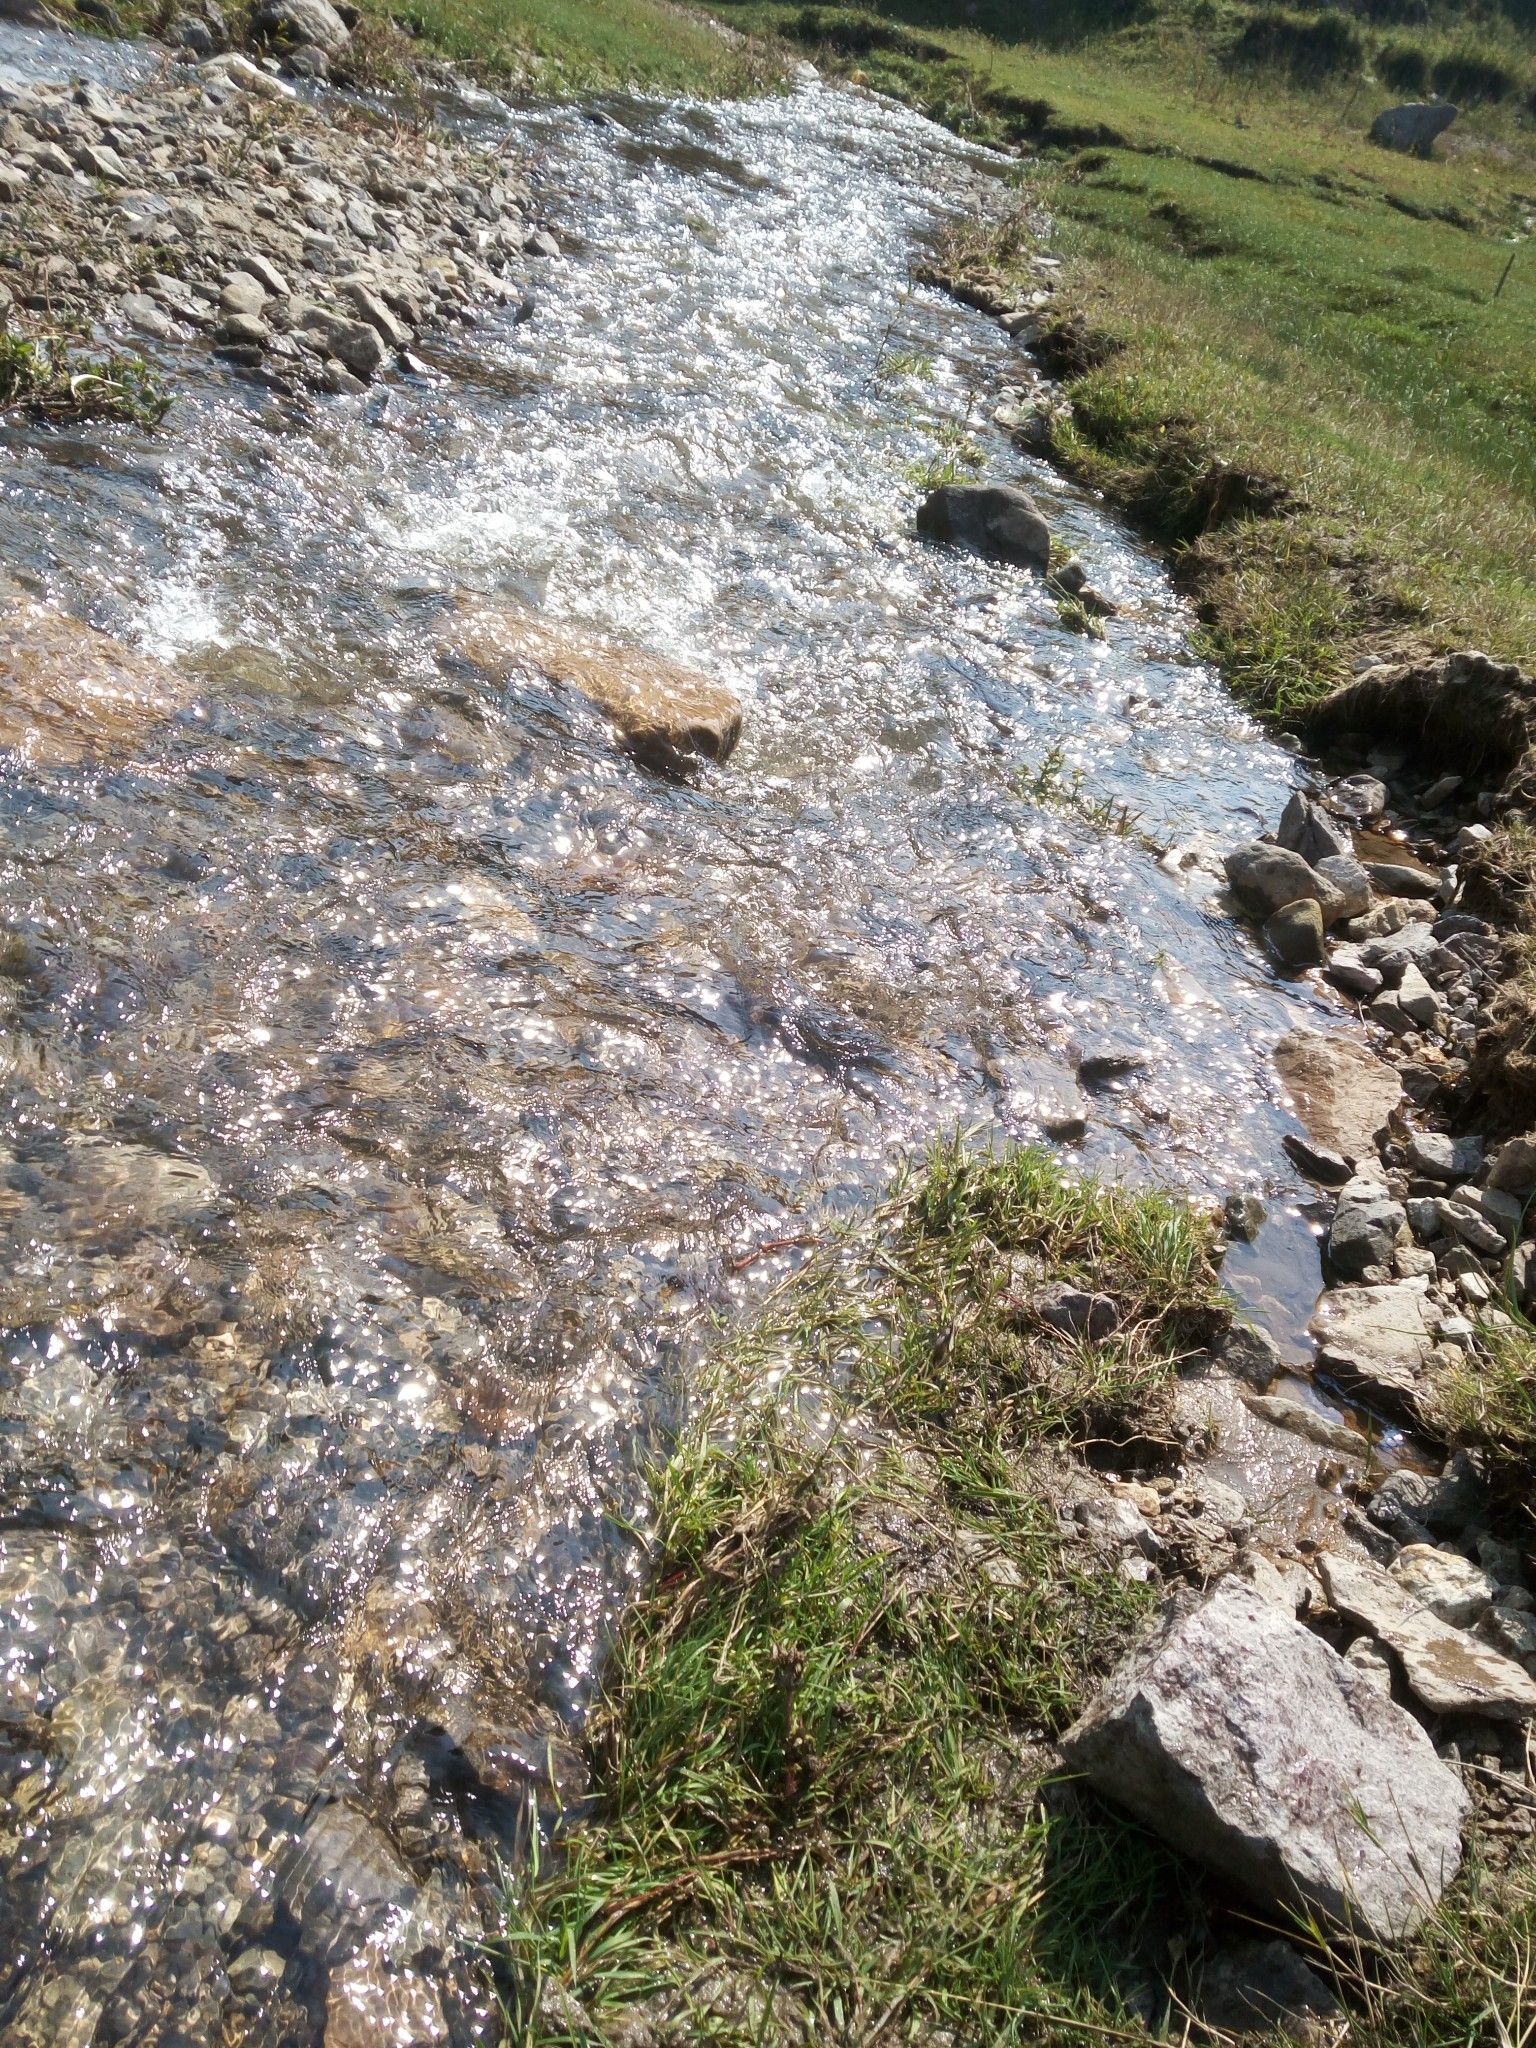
(370, 307)
(100, 160)
(1252, 1354)
(1329, 1169)
(1383, 919)
(1349, 974)
(13, 184)
(1443, 1158)
(1311, 1423)
(1450, 1671)
(540, 242)
(1117, 1523)
(244, 330)
(1360, 797)
(307, 62)
(1397, 878)
(1413, 127)
(1400, 1505)
(1306, 830)
(1512, 1631)
(1076, 1312)
(1374, 1341)
(1372, 1662)
(1295, 934)
(1364, 1232)
(256, 1969)
(142, 314)
(1110, 1061)
(995, 519)
(1451, 1587)
(1412, 1006)
(293, 24)
(1344, 1095)
(266, 274)
(1440, 791)
(1246, 1741)
(1514, 1168)
(1460, 1219)
(242, 293)
(1267, 878)
(191, 32)
(1244, 1216)
(1350, 884)
(1063, 1122)
(353, 343)
(1505, 1212)
(1264, 1987)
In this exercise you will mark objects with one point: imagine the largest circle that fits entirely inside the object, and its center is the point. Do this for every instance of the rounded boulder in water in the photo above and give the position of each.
(996, 519)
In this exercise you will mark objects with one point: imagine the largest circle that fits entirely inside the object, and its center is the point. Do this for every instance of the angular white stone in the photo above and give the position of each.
(1450, 1671)
(1247, 1741)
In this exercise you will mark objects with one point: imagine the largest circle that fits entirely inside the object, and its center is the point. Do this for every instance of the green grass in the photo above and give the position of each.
(1283, 297)
(818, 1800)
(581, 45)
(545, 46)
(823, 1803)
(44, 378)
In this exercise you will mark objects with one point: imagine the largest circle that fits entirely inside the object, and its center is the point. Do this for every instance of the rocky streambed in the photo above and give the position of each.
(416, 1033)
(208, 199)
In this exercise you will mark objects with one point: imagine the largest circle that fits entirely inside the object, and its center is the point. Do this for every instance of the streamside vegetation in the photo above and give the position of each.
(824, 1798)
(45, 378)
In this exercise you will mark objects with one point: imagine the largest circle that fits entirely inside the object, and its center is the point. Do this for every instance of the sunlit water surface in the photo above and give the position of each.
(397, 1076)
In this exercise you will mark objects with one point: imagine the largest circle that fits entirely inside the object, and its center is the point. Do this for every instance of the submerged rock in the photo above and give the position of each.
(1374, 1341)
(69, 693)
(995, 519)
(1248, 1742)
(671, 717)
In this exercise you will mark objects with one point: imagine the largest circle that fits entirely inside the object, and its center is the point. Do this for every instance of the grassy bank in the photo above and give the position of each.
(1277, 295)
(824, 1805)
(545, 46)
(818, 1764)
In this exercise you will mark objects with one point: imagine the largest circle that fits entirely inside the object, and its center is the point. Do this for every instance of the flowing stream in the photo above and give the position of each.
(397, 1077)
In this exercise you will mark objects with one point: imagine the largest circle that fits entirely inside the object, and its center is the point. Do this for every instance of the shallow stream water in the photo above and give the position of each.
(397, 1077)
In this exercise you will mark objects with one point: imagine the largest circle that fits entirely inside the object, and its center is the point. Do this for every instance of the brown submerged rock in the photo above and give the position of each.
(69, 693)
(671, 717)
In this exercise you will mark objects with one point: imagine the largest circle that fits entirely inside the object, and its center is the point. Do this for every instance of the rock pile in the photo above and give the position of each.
(210, 203)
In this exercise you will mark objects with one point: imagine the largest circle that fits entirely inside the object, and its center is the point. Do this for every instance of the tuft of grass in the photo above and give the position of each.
(1488, 1403)
(579, 46)
(45, 379)
(817, 1771)
(1052, 787)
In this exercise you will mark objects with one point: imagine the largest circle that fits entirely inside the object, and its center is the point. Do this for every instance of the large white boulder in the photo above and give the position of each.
(1246, 1741)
